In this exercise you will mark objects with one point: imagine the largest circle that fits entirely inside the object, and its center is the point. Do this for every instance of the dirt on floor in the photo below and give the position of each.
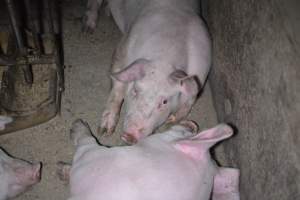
(87, 61)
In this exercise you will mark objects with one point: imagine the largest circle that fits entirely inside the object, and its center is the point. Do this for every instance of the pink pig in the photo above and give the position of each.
(174, 165)
(16, 175)
(159, 66)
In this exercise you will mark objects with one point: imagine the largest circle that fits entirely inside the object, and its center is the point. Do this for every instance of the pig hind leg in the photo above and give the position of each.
(91, 15)
(226, 184)
(63, 171)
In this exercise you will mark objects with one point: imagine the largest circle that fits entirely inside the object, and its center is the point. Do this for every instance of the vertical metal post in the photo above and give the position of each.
(32, 26)
(20, 42)
(51, 32)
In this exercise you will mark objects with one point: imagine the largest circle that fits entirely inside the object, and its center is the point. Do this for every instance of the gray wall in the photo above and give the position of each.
(256, 86)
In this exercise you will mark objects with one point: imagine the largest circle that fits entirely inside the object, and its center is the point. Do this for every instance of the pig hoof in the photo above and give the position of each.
(88, 26)
(191, 125)
(79, 130)
(108, 123)
(63, 171)
(171, 119)
(103, 132)
(128, 138)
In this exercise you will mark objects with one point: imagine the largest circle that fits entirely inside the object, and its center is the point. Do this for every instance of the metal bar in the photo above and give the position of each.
(30, 60)
(20, 42)
(51, 32)
(7, 61)
(33, 28)
(48, 18)
(15, 27)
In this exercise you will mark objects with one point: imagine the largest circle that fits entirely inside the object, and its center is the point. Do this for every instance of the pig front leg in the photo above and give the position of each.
(81, 134)
(82, 138)
(91, 15)
(110, 116)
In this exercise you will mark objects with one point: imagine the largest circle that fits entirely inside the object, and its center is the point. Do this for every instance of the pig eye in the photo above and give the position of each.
(162, 103)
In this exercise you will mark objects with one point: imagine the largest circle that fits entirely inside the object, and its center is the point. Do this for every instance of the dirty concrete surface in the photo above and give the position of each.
(87, 61)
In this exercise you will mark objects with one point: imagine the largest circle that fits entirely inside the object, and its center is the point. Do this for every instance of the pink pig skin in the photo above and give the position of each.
(174, 165)
(16, 176)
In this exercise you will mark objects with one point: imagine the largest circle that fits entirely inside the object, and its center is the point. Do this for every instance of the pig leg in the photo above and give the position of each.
(91, 15)
(110, 116)
(63, 171)
(226, 184)
(111, 113)
(82, 138)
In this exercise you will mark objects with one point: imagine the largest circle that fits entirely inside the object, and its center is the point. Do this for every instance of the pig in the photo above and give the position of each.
(158, 67)
(173, 165)
(16, 175)
(4, 120)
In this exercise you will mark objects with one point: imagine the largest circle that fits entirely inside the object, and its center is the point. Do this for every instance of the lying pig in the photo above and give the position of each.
(174, 165)
(159, 66)
(4, 120)
(16, 175)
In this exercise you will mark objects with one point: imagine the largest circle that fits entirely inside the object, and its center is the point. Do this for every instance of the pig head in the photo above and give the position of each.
(16, 175)
(156, 93)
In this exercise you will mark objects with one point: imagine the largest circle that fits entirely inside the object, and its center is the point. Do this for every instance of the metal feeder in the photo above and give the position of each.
(31, 64)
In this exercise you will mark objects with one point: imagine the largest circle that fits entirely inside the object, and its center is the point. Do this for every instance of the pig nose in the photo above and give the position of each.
(129, 138)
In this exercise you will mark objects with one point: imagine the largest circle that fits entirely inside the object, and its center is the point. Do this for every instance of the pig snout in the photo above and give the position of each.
(20, 176)
(36, 173)
(129, 138)
(133, 132)
(29, 175)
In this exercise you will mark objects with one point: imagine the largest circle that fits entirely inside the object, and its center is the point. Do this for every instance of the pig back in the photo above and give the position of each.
(138, 173)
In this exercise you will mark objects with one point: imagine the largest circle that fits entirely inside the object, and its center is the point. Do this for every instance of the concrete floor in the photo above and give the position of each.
(87, 61)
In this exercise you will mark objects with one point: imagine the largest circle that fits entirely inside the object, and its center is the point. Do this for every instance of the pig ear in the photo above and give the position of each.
(135, 71)
(226, 184)
(197, 145)
(214, 135)
(189, 85)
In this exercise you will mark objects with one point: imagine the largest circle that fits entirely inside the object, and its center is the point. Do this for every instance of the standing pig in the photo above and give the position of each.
(159, 66)
(174, 165)
(16, 176)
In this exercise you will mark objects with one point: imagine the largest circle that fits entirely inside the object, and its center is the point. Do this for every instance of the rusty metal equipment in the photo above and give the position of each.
(31, 63)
